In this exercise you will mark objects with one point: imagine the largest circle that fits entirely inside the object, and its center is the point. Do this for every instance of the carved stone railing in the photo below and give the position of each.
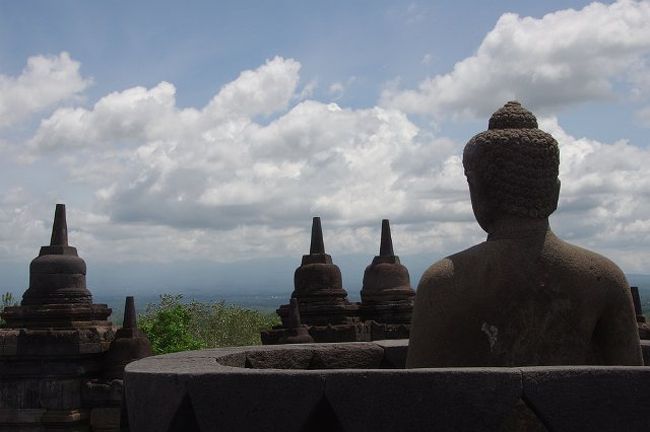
(363, 387)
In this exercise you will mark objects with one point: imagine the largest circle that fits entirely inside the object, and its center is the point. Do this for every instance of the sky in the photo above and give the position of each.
(192, 143)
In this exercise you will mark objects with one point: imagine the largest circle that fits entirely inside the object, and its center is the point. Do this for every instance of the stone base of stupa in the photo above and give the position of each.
(47, 355)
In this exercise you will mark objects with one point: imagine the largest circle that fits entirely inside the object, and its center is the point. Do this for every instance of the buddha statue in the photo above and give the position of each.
(523, 297)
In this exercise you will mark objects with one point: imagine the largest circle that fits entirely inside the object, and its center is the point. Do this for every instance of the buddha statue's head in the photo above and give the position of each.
(512, 168)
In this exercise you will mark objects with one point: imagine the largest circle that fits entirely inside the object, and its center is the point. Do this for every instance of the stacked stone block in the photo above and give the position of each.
(53, 349)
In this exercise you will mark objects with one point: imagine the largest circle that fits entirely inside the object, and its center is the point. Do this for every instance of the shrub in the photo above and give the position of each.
(176, 326)
(7, 299)
(167, 326)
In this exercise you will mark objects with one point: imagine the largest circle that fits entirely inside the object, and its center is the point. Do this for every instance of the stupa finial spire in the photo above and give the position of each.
(130, 320)
(59, 227)
(317, 245)
(386, 247)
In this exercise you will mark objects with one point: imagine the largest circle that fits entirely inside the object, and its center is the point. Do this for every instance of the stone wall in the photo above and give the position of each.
(361, 387)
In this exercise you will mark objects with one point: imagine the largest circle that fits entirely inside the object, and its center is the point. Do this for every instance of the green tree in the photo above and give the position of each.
(168, 326)
(175, 326)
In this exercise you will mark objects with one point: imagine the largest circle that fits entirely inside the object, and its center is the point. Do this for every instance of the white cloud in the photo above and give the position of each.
(217, 169)
(45, 81)
(604, 199)
(219, 183)
(563, 58)
(336, 89)
(263, 91)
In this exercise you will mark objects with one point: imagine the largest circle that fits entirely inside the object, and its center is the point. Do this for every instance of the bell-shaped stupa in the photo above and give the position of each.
(387, 296)
(321, 299)
(58, 337)
(129, 344)
(58, 274)
(318, 281)
(296, 331)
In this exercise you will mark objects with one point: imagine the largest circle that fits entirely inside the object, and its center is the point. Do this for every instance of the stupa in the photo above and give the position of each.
(322, 301)
(129, 344)
(53, 348)
(387, 297)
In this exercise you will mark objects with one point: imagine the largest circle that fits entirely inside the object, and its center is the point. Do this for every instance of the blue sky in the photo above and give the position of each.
(211, 132)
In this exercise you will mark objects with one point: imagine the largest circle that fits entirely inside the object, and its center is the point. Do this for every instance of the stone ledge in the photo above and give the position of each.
(343, 386)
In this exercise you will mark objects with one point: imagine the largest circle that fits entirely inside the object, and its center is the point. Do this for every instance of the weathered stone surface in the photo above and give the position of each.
(53, 344)
(322, 301)
(440, 400)
(645, 349)
(129, 344)
(523, 297)
(99, 392)
(394, 353)
(318, 287)
(282, 402)
(153, 398)
(296, 331)
(522, 418)
(347, 356)
(386, 295)
(105, 419)
(57, 275)
(215, 397)
(590, 398)
(279, 359)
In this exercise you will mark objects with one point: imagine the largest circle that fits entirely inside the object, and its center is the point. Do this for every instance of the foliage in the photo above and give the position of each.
(168, 326)
(7, 299)
(175, 326)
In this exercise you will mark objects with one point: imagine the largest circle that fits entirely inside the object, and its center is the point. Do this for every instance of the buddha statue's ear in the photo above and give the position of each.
(481, 205)
(556, 193)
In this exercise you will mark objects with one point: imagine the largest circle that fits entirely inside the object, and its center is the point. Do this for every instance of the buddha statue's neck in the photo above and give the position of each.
(513, 227)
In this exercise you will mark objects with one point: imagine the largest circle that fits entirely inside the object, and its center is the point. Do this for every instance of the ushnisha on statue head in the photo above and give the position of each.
(512, 168)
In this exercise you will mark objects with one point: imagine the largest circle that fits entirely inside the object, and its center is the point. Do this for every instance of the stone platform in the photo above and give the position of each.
(362, 387)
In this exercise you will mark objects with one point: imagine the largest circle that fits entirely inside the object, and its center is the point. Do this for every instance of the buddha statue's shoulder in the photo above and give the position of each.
(585, 263)
(450, 270)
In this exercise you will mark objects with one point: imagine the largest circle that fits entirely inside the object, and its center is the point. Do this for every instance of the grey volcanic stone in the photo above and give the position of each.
(386, 295)
(202, 390)
(129, 344)
(347, 356)
(590, 398)
(523, 297)
(153, 398)
(255, 400)
(279, 359)
(645, 349)
(418, 400)
(395, 351)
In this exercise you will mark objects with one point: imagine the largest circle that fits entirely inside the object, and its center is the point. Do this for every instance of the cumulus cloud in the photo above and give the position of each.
(45, 81)
(219, 168)
(604, 199)
(242, 176)
(563, 58)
